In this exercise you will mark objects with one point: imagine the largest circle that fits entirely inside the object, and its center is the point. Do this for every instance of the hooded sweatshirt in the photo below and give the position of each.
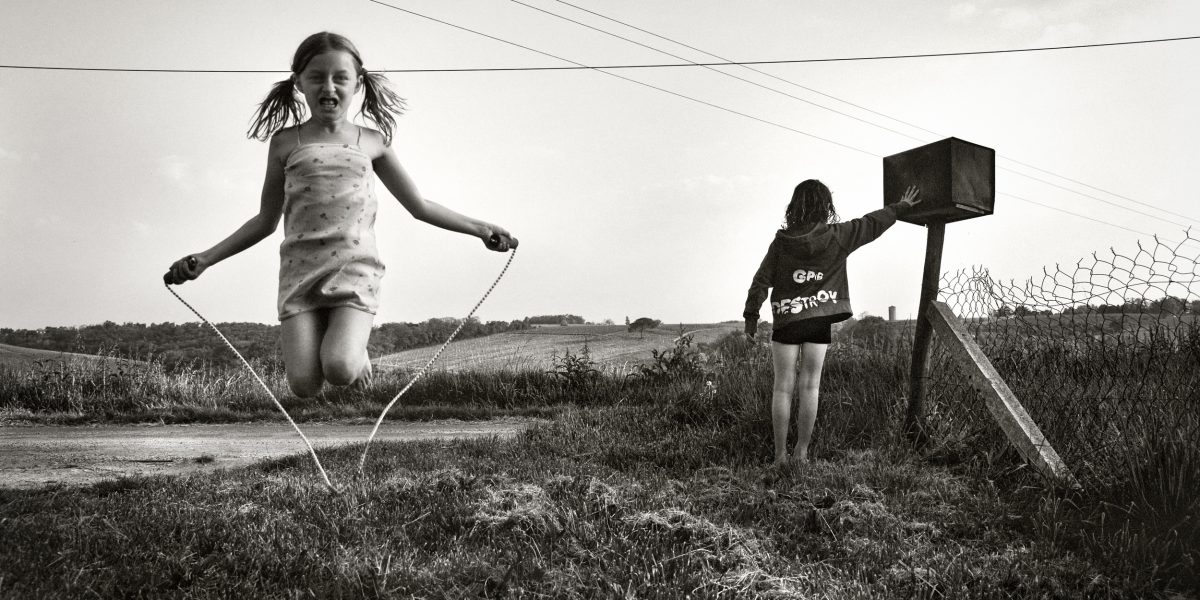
(806, 269)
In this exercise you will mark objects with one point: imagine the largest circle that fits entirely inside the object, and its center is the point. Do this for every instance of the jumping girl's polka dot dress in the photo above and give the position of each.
(328, 256)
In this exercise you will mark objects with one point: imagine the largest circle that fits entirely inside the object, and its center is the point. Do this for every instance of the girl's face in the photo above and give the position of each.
(328, 83)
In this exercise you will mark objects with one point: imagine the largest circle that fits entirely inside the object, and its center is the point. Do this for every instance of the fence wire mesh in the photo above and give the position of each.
(1103, 354)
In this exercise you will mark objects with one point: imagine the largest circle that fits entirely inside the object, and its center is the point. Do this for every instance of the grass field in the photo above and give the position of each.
(17, 358)
(643, 486)
(614, 503)
(611, 347)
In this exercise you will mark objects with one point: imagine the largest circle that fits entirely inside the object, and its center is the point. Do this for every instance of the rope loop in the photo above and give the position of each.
(311, 451)
(363, 460)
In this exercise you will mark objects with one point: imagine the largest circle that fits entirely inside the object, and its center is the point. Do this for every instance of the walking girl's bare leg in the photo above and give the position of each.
(812, 362)
(783, 358)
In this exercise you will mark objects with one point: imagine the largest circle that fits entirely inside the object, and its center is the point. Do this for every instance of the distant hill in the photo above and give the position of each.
(396, 343)
(534, 349)
(16, 357)
(181, 344)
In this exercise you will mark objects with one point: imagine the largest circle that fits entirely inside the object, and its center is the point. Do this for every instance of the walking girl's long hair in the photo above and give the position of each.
(283, 105)
(812, 204)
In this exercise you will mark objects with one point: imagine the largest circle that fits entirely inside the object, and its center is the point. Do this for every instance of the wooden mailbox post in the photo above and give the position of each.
(958, 181)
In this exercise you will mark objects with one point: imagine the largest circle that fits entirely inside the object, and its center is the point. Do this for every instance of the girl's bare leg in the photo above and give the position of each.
(783, 358)
(344, 347)
(301, 336)
(812, 362)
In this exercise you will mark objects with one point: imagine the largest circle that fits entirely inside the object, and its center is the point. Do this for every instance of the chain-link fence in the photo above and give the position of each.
(1103, 354)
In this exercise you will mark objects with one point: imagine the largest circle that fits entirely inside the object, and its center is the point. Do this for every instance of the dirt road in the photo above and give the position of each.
(32, 456)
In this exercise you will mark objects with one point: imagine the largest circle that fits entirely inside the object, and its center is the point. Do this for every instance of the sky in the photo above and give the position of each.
(628, 201)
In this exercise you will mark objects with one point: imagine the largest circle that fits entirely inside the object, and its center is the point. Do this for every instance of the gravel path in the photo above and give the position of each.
(33, 456)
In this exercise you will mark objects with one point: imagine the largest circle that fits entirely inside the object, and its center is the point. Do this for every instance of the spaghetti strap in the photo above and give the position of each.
(358, 142)
(297, 135)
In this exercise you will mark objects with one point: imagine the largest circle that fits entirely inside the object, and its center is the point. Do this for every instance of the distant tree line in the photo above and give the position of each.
(176, 344)
(556, 320)
(1169, 305)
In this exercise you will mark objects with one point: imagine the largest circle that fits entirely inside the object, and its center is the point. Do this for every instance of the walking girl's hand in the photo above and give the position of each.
(185, 269)
(909, 199)
(499, 239)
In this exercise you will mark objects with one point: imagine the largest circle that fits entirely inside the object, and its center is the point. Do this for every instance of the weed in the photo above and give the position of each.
(576, 371)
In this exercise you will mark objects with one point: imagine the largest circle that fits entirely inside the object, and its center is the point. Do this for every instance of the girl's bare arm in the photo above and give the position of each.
(397, 181)
(250, 233)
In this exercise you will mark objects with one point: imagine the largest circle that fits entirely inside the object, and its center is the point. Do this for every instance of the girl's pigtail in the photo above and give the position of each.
(381, 104)
(275, 111)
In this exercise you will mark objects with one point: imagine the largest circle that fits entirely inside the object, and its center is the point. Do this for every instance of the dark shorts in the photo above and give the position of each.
(812, 331)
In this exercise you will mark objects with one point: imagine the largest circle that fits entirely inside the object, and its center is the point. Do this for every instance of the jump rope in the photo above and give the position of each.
(363, 459)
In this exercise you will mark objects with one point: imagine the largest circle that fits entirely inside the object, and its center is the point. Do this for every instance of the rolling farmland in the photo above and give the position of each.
(16, 357)
(610, 346)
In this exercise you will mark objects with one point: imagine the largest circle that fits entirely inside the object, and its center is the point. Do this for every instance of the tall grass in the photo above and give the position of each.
(661, 493)
(691, 408)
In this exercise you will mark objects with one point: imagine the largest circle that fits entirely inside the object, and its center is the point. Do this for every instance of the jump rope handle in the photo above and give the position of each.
(495, 240)
(192, 261)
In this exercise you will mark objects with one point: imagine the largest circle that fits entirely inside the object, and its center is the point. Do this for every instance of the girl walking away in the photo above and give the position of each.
(805, 267)
(320, 179)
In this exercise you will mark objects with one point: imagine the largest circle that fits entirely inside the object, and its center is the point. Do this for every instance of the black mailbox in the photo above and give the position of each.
(957, 180)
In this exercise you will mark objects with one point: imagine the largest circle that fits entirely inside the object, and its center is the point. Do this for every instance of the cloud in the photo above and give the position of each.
(6, 154)
(1016, 17)
(707, 181)
(175, 168)
(1065, 33)
(962, 11)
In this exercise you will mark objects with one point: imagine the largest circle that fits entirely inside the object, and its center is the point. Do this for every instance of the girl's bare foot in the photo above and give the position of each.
(781, 461)
(364, 377)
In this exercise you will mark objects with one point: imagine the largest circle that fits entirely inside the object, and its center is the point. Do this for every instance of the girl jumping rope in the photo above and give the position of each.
(320, 179)
(805, 266)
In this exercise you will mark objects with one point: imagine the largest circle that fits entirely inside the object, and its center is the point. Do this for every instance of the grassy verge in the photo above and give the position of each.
(626, 502)
(650, 486)
(114, 391)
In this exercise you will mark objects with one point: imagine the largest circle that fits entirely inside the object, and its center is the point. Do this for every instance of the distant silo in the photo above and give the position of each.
(891, 313)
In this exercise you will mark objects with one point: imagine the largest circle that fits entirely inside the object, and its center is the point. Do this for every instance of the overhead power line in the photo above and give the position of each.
(1094, 220)
(635, 81)
(1086, 185)
(1110, 203)
(747, 67)
(580, 67)
(726, 109)
(713, 69)
(721, 62)
(705, 52)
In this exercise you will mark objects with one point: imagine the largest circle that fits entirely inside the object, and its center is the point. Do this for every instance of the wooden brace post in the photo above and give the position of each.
(1020, 429)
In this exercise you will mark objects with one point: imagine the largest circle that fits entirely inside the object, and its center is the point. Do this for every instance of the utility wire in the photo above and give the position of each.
(1077, 182)
(1086, 195)
(761, 120)
(746, 66)
(713, 69)
(705, 52)
(580, 67)
(721, 62)
(1075, 214)
(641, 83)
